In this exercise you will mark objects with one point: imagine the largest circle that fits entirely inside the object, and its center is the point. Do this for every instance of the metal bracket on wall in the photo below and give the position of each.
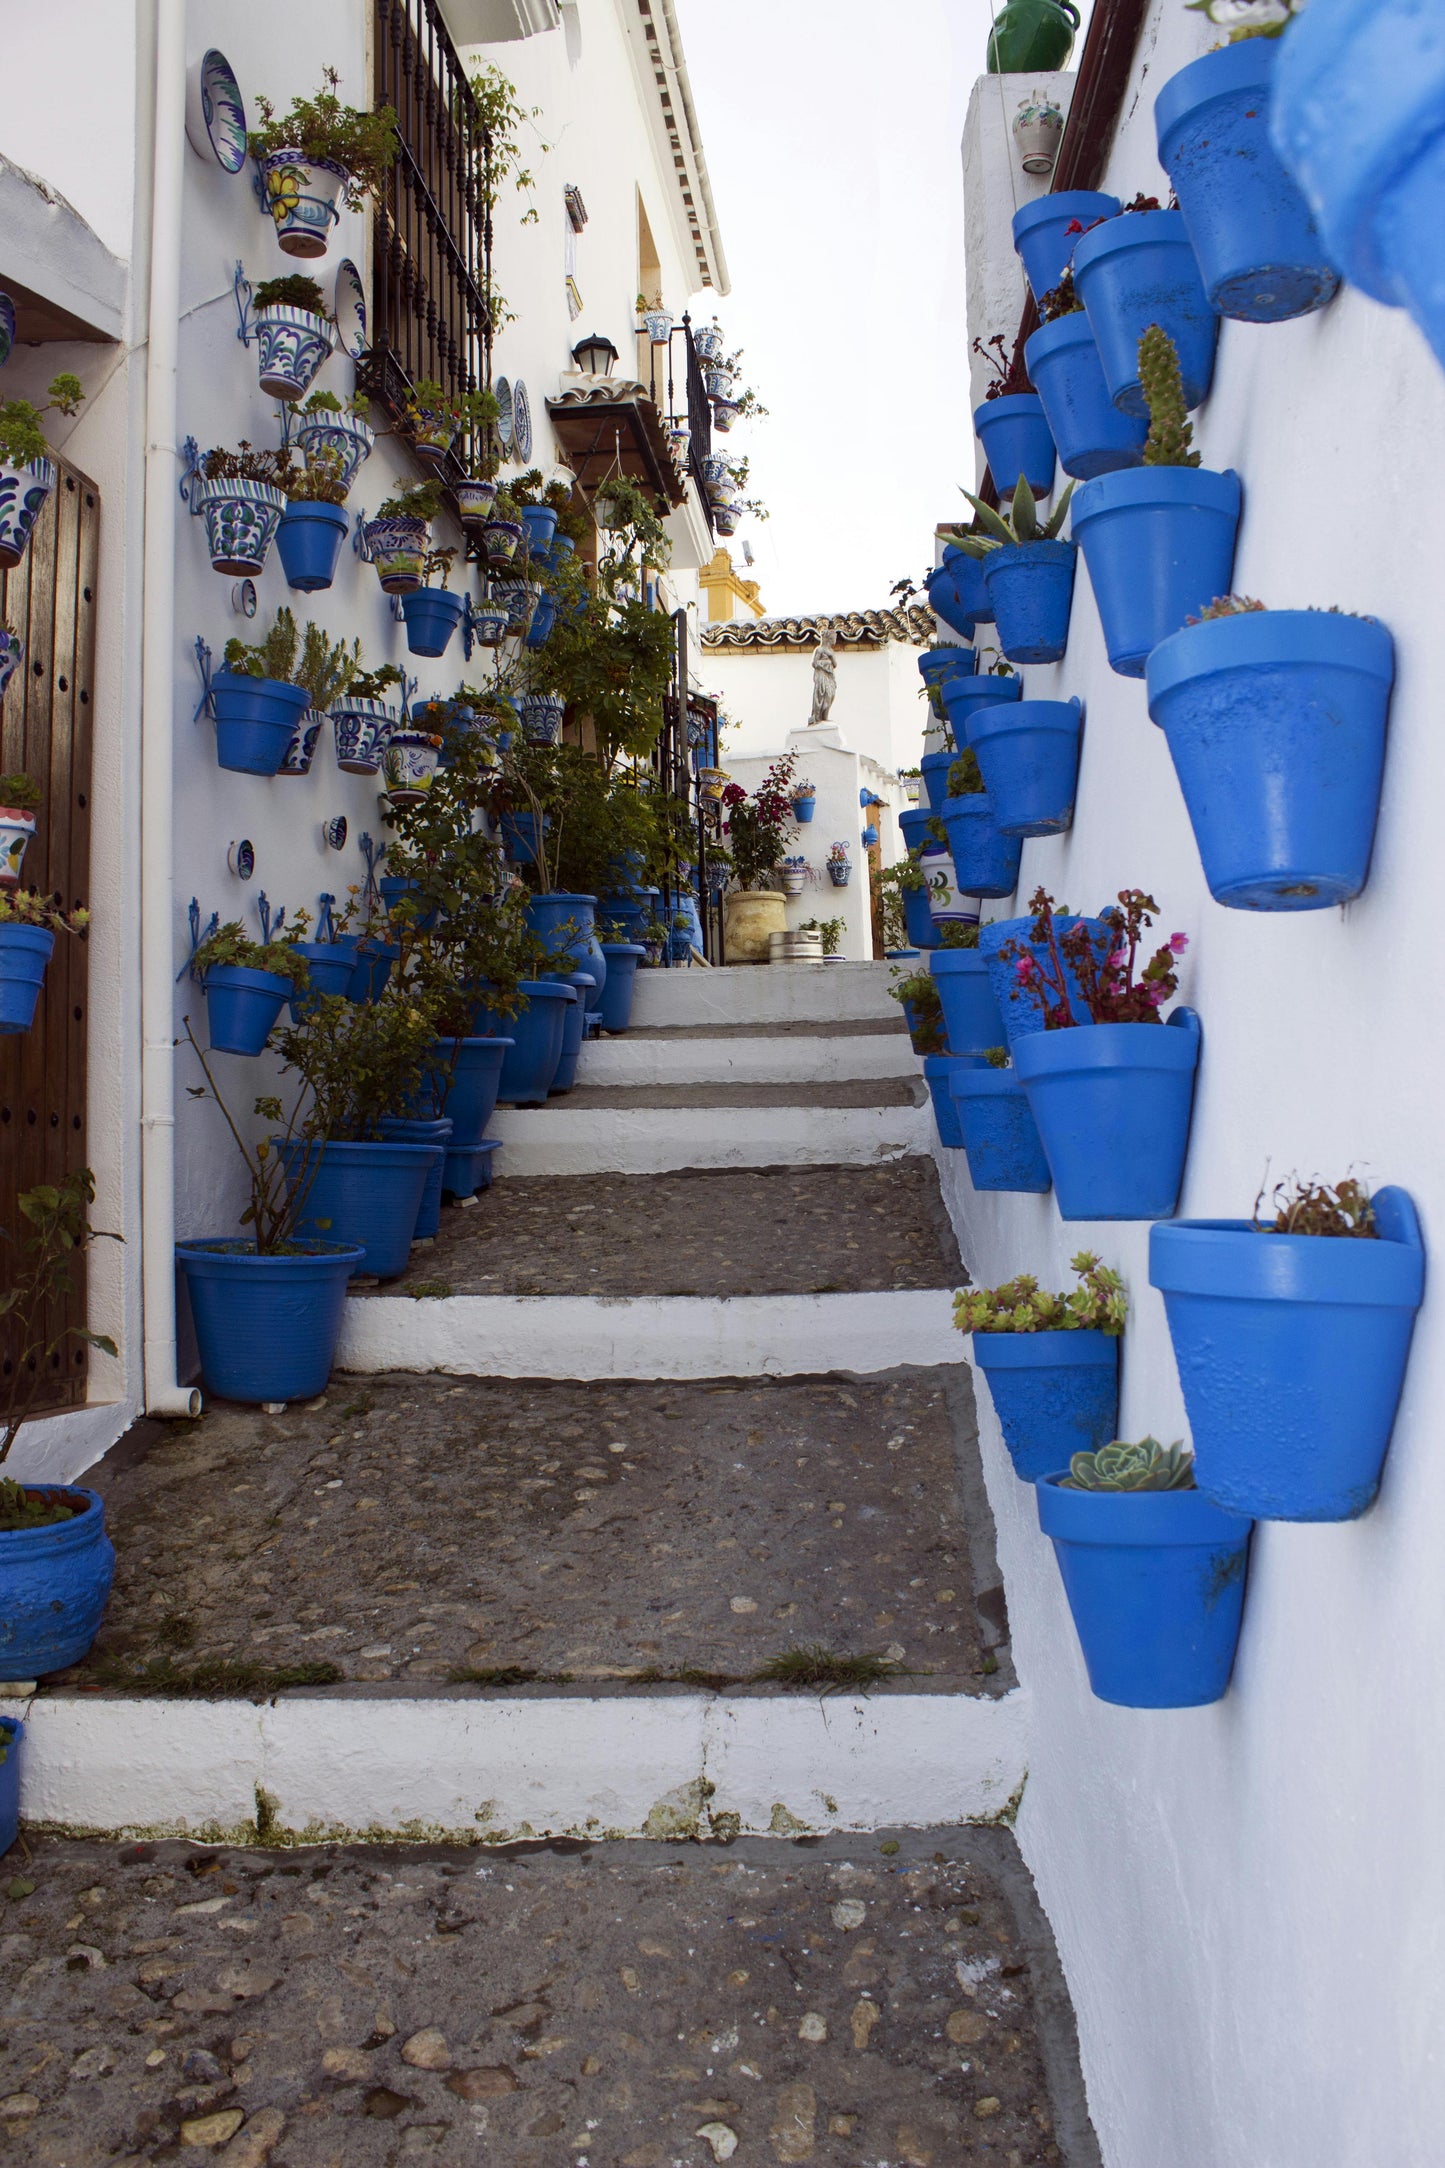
(193, 916)
(358, 537)
(270, 927)
(373, 853)
(203, 664)
(241, 287)
(191, 479)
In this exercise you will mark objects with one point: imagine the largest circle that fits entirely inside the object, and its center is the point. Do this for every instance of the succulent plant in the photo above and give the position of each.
(1098, 1304)
(1171, 433)
(1126, 1466)
(1022, 524)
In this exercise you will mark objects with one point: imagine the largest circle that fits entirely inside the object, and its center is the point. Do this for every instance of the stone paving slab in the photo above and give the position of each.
(742, 1231)
(414, 1527)
(858, 1027)
(883, 2002)
(903, 1091)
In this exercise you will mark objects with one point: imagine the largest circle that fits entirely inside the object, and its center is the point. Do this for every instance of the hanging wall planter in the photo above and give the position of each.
(1262, 257)
(542, 715)
(805, 805)
(964, 697)
(308, 543)
(475, 499)
(1276, 727)
(544, 616)
(539, 524)
(291, 345)
(397, 546)
(362, 730)
(23, 493)
(1016, 441)
(241, 521)
(56, 1579)
(1000, 1135)
(342, 438)
(1291, 1352)
(968, 581)
(946, 602)
(297, 758)
(934, 769)
(302, 195)
(1031, 587)
(1042, 240)
(938, 1070)
(256, 719)
(1134, 271)
(502, 539)
(432, 615)
(1092, 436)
(941, 664)
(918, 917)
(409, 761)
(1113, 1103)
(970, 1010)
(267, 1326)
(24, 953)
(17, 827)
(242, 1006)
(12, 654)
(1054, 1393)
(1021, 1014)
(329, 965)
(1159, 545)
(1028, 755)
(985, 863)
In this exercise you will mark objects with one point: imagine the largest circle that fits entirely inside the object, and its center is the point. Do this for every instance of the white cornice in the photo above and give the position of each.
(652, 33)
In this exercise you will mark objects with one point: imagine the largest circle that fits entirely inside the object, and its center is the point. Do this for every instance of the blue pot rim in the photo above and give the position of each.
(623, 948)
(1064, 331)
(983, 691)
(1226, 1258)
(439, 599)
(241, 1255)
(1152, 1520)
(559, 895)
(16, 935)
(72, 1535)
(1173, 1045)
(968, 963)
(1014, 406)
(1024, 556)
(1130, 488)
(241, 979)
(938, 664)
(985, 1083)
(932, 761)
(943, 1066)
(228, 681)
(342, 1149)
(973, 807)
(1248, 66)
(1085, 1349)
(1263, 639)
(536, 989)
(1064, 716)
(330, 515)
(1137, 229)
(470, 1039)
(1062, 203)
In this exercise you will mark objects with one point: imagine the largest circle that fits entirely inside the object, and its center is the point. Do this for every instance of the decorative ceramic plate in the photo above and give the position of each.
(521, 422)
(350, 304)
(216, 112)
(503, 392)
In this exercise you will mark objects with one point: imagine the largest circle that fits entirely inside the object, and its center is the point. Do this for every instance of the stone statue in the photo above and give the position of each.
(825, 677)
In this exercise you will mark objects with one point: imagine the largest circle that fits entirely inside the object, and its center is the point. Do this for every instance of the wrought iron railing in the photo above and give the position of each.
(687, 403)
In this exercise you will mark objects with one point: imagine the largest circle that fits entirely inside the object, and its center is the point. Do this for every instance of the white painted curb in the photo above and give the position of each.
(560, 1140)
(764, 994)
(800, 1060)
(650, 1336)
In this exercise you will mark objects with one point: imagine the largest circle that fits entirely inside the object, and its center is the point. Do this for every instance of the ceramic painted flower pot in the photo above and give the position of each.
(243, 1006)
(12, 654)
(409, 761)
(1134, 271)
(658, 326)
(1031, 587)
(1276, 727)
(1000, 1135)
(965, 697)
(708, 341)
(1032, 37)
(503, 538)
(726, 519)
(1016, 440)
(985, 862)
(623, 958)
(1292, 1352)
(363, 1195)
(1159, 545)
(1054, 1393)
(1092, 436)
(1260, 252)
(840, 873)
(302, 195)
(749, 916)
(1113, 1103)
(938, 1070)
(256, 719)
(308, 543)
(1042, 240)
(431, 437)
(724, 414)
(362, 728)
(1028, 756)
(241, 521)
(54, 1583)
(432, 615)
(542, 715)
(489, 625)
(24, 953)
(474, 501)
(971, 1016)
(529, 1068)
(1020, 1012)
(291, 345)
(23, 492)
(397, 547)
(519, 599)
(719, 382)
(17, 826)
(342, 438)
(1155, 1583)
(297, 758)
(266, 1327)
(946, 602)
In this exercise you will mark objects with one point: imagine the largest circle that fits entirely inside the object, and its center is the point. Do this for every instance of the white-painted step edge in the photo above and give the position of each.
(650, 1336)
(660, 1140)
(497, 1768)
(764, 994)
(800, 1060)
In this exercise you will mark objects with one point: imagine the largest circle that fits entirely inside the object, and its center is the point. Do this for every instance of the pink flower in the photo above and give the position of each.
(1024, 970)
(1179, 942)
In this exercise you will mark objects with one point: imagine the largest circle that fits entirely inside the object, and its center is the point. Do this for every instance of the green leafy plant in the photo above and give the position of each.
(326, 402)
(22, 434)
(272, 656)
(1318, 1208)
(959, 933)
(37, 1282)
(498, 160)
(919, 991)
(327, 667)
(1171, 433)
(1097, 1304)
(321, 481)
(420, 500)
(293, 291)
(362, 1060)
(20, 793)
(831, 930)
(1124, 1466)
(364, 144)
(24, 907)
(231, 945)
(995, 531)
(998, 1057)
(276, 1202)
(373, 684)
(965, 777)
(758, 826)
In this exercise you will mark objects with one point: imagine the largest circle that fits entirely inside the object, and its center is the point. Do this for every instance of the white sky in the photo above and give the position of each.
(832, 130)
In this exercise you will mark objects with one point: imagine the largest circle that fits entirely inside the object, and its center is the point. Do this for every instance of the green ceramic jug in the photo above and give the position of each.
(1031, 36)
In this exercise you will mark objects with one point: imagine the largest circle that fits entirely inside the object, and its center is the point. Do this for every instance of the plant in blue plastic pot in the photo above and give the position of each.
(917, 991)
(1029, 573)
(985, 861)
(1000, 1135)
(1045, 231)
(29, 924)
(315, 523)
(1092, 436)
(260, 699)
(971, 1020)
(432, 613)
(246, 984)
(1276, 727)
(1051, 1361)
(1028, 755)
(1292, 1333)
(1154, 1573)
(1113, 1096)
(1009, 420)
(1158, 541)
(1137, 270)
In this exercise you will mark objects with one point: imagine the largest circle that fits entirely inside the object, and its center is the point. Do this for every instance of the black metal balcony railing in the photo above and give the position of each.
(696, 409)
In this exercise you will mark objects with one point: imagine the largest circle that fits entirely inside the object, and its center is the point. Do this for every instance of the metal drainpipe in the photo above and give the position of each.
(164, 1395)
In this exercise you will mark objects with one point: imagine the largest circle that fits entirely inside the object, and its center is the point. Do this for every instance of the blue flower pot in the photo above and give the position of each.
(397, 1129)
(1000, 1135)
(1159, 545)
(267, 1327)
(1031, 586)
(1155, 1582)
(256, 719)
(536, 1033)
(1261, 255)
(985, 863)
(395, 888)
(372, 968)
(467, 1080)
(1358, 116)
(544, 617)
(1020, 1012)
(1276, 727)
(623, 958)
(242, 1007)
(308, 543)
(1042, 240)
(935, 767)
(568, 925)
(1113, 1102)
(24, 953)
(432, 615)
(56, 1581)
(963, 697)
(946, 662)
(1092, 436)
(1016, 440)
(1054, 1393)
(946, 602)
(1028, 755)
(970, 1010)
(1138, 270)
(938, 1069)
(624, 916)
(804, 810)
(574, 1025)
(1291, 1353)
(12, 1731)
(917, 917)
(362, 1193)
(519, 837)
(968, 583)
(539, 524)
(329, 966)
(468, 1168)
(913, 823)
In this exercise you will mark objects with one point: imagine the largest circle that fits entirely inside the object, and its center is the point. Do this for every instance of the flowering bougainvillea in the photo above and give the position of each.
(758, 826)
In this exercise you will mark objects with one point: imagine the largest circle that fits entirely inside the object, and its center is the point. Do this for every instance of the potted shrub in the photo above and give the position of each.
(364, 719)
(502, 529)
(28, 926)
(294, 334)
(318, 154)
(1158, 540)
(337, 428)
(1044, 232)
(1153, 1572)
(246, 984)
(19, 804)
(1051, 1361)
(1020, 1012)
(830, 932)
(256, 702)
(432, 613)
(1113, 1096)
(840, 870)
(1291, 1334)
(1000, 1135)
(1028, 756)
(396, 540)
(756, 828)
(1092, 436)
(27, 471)
(314, 524)
(1276, 727)
(805, 803)
(1136, 270)
(433, 419)
(1010, 423)
(242, 497)
(985, 861)
(1029, 573)
(324, 670)
(56, 1560)
(971, 1020)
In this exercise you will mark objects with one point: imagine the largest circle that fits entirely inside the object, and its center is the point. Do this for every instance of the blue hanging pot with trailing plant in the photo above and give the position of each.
(1092, 436)
(242, 1006)
(256, 719)
(432, 615)
(1028, 755)
(1020, 1012)
(1159, 545)
(57, 1580)
(24, 953)
(970, 1008)
(1134, 271)
(1113, 1104)
(1031, 587)
(1014, 433)
(1000, 1135)
(1042, 239)
(267, 1325)
(985, 862)
(308, 543)
(963, 697)
(1054, 1393)
(536, 1031)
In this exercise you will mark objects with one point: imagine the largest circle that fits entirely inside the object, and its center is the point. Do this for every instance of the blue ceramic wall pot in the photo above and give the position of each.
(1020, 1012)
(913, 825)
(56, 1581)
(308, 543)
(372, 969)
(242, 1006)
(804, 810)
(946, 602)
(968, 583)
(985, 863)
(539, 524)
(12, 1731)
(574, 1021)
(938, 1070)
(1028, 756)
(1159, 545)
(939, 664)
(1276, 727)
(1042, 240)
(329, 965)
(1291, 1352)
(536, 1034)
(1155, 1582)
(23, 493)
(466, 1081)
(970, 1009)
(267, 1327)
(1054, 1393)
(963, 698)
(568, 925)
(623, 958)
(368, 1195)
(1016, 440)
(1113, 1102)
(1092, 436)
(544, 617)
(1262, 256)
(1031, 586)
(918, 919)
(1134, 271)
(256, 719)
(24, 953)
(432, 615)
(935, 768)
(436, 1131)
(1000, 1135)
